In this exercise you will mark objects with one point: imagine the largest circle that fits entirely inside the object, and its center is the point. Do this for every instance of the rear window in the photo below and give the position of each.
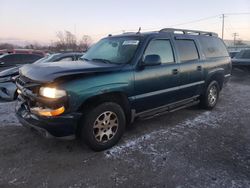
(187, 50)
(213, 47)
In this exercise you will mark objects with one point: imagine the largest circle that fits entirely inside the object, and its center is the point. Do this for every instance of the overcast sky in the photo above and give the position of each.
(39, 20)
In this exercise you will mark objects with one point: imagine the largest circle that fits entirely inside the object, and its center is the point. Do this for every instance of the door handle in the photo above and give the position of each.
(175, 71)
(199, 68)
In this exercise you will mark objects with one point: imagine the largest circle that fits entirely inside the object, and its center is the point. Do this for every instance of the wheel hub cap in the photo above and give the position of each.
(212, 96)
(105, 126)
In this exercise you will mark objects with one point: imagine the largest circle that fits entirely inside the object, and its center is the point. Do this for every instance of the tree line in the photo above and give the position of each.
(65, 41)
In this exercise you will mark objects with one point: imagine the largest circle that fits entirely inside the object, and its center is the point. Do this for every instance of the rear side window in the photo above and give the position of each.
(187, 50)
(245, 54)
(162, 48)
(29, 58)
(12, 59)
(213, 47)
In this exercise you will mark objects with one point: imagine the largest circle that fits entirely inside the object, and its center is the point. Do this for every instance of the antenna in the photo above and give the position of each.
(139, 31)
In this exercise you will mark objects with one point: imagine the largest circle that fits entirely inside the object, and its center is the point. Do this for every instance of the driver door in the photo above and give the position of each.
(157, 85)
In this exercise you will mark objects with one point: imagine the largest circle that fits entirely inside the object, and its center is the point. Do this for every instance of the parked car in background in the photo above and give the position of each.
(242, 59)
(17, 59)
(233, 54)
(22, 51)
(122, 78)
(7, 86)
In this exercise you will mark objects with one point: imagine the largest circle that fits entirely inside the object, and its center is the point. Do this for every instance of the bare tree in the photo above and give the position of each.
(66, 41)
(239, 42)
(7, 46)
(85, 43)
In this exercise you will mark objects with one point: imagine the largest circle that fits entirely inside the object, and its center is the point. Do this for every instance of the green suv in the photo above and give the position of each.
(120, 79)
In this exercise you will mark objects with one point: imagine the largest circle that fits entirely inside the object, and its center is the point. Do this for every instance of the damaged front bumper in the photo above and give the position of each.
(42, 114)
(63, 126)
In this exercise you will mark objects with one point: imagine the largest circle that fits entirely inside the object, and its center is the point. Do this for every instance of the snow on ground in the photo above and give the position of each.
(7, 114)
(201, 121)
(147, 143)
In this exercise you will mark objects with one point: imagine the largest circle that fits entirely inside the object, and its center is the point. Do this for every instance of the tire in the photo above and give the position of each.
(103, 126)
(210, 98)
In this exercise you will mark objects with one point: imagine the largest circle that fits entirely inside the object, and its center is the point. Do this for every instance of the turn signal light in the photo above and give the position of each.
(48, 112)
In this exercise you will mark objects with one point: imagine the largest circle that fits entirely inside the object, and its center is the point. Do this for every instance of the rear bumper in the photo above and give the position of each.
(8, 90)
(63, 126)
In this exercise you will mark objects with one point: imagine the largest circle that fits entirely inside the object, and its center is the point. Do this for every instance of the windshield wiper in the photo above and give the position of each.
(102, 60)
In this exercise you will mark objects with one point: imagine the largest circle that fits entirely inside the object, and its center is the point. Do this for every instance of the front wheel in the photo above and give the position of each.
(211, 95)
(103, 126)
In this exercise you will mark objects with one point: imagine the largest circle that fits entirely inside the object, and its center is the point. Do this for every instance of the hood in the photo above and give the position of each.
(9, 72)
(48, 72)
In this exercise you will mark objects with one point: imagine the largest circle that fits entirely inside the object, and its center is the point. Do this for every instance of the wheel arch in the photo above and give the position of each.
(116, 96)
(217, 75)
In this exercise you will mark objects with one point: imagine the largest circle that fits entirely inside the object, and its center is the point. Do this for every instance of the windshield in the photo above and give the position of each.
(113, 50)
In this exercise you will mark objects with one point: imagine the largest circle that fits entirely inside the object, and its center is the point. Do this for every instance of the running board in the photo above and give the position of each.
(167, 109)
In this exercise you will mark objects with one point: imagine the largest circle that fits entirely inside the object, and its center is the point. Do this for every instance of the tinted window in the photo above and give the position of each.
(28, 58)
(12, 59)
(187, 50)
(213, 47)
(162, 48)
(245, 54)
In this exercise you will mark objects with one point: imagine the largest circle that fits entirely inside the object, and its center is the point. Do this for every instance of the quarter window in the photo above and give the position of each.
(162, 48)
(187, 50)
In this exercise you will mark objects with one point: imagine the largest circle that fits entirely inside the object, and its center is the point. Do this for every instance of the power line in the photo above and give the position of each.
(243, 13)
(188, 22)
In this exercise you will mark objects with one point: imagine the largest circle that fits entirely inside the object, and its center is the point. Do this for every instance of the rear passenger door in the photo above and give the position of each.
(157, 85)
(191, 69)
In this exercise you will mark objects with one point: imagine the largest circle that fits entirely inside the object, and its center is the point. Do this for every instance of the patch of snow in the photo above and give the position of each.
(204, 120)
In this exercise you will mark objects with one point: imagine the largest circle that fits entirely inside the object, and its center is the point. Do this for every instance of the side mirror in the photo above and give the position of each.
(152, 60)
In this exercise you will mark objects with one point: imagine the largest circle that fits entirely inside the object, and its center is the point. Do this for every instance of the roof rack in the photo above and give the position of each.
(190, 32)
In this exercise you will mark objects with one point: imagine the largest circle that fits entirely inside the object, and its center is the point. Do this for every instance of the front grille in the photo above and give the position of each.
(28, 87)
(23, 81)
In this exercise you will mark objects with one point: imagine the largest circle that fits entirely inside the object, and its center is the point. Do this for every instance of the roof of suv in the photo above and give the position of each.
(170, 30)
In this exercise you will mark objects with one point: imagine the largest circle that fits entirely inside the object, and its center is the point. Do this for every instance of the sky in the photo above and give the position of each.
(40, 20)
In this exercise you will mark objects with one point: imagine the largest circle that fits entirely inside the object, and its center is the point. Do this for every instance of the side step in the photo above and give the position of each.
(167, 109)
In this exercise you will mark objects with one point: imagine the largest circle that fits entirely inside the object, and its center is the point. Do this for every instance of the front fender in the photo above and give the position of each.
(84, 88)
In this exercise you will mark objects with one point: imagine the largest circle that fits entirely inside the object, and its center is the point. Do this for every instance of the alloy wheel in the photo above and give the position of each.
(105, 126)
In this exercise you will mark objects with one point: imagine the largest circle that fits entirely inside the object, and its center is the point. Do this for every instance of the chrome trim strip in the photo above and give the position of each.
(167, 105)
(227, 75)
(167, 90)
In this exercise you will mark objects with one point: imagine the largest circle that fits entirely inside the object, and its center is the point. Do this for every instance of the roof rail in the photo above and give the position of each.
(127, 33)
(191, 32)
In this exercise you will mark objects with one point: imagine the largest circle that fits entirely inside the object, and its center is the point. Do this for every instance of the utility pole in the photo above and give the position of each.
(235, 35)
(223, 22)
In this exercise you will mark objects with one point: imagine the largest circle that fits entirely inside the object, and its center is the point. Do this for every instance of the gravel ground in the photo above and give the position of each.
(188, 148)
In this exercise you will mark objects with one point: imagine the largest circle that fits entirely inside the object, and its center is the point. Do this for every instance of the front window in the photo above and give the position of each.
(113, 50)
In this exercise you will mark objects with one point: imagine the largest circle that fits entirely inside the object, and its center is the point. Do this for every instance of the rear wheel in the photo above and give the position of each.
(103, 126)
(210, 98)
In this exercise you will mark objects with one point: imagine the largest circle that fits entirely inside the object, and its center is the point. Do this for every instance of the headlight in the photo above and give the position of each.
(5, 79)
(52, 93)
